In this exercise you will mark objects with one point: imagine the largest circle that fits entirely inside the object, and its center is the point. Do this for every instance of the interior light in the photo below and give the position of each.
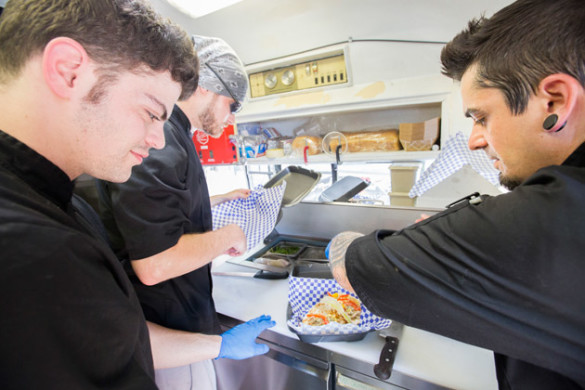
(197, 8)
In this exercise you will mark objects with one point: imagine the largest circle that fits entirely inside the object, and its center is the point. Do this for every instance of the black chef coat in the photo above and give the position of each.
(70, 318)
(505, 274)
(165, 198)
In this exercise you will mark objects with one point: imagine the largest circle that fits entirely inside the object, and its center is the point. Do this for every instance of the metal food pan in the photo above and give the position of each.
(299, 182)
(312, 270)
(286, 249)
(301, 242)
(315, 253)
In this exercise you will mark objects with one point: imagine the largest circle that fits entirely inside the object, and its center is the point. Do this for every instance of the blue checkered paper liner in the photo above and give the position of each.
(256, 214)
(304, 293)
(452, 158)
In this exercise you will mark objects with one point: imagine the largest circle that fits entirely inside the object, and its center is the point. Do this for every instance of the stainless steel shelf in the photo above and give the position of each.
(323, 158)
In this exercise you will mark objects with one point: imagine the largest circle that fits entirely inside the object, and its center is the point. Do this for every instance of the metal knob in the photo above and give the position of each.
(288, 77)
(270, 80)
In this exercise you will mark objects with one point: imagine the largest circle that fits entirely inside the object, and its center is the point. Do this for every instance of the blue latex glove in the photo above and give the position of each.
(240, 341)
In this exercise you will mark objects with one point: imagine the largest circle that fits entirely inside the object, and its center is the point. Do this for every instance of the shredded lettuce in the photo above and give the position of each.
(338, 307)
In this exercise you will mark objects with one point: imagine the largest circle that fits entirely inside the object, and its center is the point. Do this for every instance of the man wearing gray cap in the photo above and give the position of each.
(159, 222)
(223, 83)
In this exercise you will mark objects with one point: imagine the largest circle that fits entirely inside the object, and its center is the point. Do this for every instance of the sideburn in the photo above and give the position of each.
(100, 89)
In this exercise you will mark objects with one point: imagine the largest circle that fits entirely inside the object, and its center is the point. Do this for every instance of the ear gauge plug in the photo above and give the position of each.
(551, 121)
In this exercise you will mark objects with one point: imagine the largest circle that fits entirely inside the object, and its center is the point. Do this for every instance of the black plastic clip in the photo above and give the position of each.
(472, 198)
(337, 158)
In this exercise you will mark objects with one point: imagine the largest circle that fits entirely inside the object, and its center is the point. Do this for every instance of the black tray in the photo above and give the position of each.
(299, 182)
(318, 271)
(311, 338)
(343, 190)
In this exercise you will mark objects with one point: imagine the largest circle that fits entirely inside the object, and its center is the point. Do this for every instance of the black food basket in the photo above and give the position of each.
(307, 285)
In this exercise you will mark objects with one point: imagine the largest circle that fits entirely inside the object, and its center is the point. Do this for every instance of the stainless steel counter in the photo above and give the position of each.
(423, 360)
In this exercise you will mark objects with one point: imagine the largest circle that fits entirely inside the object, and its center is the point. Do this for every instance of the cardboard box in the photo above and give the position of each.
(419, 136)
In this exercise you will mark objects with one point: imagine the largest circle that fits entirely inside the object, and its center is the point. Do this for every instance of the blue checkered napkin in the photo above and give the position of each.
(256, 214)
(304, 293)
(453, 157)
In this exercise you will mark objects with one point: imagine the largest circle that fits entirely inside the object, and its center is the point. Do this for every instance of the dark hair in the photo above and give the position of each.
(117, 34)
(519, 46)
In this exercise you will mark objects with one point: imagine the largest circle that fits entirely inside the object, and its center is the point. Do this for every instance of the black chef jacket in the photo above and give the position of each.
(165, 198)
(69, 316)
(505, 274)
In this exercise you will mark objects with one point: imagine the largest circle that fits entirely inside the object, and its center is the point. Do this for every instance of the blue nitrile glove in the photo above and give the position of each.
(240, 341)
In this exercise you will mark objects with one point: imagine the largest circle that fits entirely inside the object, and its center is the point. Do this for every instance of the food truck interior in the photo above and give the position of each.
(351, 93)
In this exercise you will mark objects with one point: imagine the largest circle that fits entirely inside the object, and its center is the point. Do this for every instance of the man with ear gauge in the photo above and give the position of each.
(504, 273)
(160, 223)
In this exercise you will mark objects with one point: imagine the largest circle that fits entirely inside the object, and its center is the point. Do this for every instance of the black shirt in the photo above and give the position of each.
(505, 274)
(165, 198)
(70, 318)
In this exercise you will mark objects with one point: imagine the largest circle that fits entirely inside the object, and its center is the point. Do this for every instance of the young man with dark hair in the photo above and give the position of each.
(85, 87)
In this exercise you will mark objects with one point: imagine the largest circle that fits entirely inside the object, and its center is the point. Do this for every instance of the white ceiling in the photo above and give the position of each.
(261, 30)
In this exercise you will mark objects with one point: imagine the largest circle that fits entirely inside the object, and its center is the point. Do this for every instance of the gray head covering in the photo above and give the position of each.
(216, 54)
